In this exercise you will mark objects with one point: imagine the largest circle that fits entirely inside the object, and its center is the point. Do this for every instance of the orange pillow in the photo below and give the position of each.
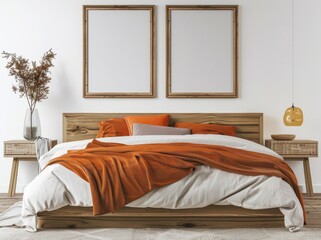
(199, 128)
(159, 120)
(112, 127)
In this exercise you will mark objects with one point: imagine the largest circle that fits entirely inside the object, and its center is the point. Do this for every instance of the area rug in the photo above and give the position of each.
(162, 234)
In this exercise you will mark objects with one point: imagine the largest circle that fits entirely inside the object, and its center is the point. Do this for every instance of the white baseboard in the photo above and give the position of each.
(4, 188)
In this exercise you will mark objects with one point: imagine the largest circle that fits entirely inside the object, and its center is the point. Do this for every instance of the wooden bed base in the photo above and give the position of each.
(208, 217)
(80, 126)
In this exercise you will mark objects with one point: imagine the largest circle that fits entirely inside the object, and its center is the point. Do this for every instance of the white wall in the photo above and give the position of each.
(31, 27)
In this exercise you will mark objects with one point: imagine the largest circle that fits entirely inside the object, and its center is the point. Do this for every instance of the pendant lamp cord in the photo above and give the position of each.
(292, 54)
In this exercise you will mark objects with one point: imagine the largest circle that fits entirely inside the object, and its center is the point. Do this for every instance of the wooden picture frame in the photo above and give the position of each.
(202, 51)
(119, 51)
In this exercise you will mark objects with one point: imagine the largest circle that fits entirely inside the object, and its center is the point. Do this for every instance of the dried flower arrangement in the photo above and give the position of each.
(31, 80)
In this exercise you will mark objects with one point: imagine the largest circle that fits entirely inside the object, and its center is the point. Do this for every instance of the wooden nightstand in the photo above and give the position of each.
(297, 150)
(20, 150)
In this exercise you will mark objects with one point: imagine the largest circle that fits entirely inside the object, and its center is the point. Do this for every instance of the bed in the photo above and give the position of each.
(82, 126)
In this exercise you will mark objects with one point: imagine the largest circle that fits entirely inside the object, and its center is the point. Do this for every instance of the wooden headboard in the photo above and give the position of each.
(81, 126)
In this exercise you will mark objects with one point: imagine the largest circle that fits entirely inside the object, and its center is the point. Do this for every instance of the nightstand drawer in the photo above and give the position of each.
(293, 147)
(19, 148)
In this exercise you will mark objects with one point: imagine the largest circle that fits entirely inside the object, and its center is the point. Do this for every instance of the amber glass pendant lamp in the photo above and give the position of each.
(293, 115)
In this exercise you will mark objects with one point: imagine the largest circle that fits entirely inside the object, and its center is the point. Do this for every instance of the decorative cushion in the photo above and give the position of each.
(146, 129)
(158, 120)
(199, 128)
(112, 127)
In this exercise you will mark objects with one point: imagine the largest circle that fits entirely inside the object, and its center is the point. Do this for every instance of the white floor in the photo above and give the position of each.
(162, 234)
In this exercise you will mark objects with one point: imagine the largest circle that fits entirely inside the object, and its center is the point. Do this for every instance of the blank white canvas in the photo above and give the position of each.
(202, 51)
(119, 51)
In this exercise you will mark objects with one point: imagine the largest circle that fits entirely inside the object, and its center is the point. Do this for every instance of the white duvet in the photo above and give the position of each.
(57, 186)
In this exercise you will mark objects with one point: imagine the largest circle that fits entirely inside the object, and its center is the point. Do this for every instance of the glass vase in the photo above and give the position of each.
(31, 128)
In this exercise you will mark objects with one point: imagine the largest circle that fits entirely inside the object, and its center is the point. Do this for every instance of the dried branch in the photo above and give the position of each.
(31, 80)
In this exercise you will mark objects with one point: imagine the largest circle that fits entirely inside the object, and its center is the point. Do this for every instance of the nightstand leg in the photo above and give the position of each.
(307, 174)
(13, 178)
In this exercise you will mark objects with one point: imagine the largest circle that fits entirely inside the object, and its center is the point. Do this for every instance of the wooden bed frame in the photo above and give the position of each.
(80, 126)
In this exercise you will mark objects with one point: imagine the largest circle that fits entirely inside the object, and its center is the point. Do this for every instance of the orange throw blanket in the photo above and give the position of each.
(119, 173)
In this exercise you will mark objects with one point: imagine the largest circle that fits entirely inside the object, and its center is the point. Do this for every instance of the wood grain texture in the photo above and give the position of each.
(212, 222)
(211, 216)
(13, 177)
(210, 211)
(81, 126)
(22, 148)
(308, 178)
(313, 207)
(272, 219)
(306, 148)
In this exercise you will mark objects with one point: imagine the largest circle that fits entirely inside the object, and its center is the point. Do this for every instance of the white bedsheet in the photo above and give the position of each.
(57, 186)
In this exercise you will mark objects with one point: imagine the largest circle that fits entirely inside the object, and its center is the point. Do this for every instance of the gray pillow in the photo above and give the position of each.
(147, 129)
